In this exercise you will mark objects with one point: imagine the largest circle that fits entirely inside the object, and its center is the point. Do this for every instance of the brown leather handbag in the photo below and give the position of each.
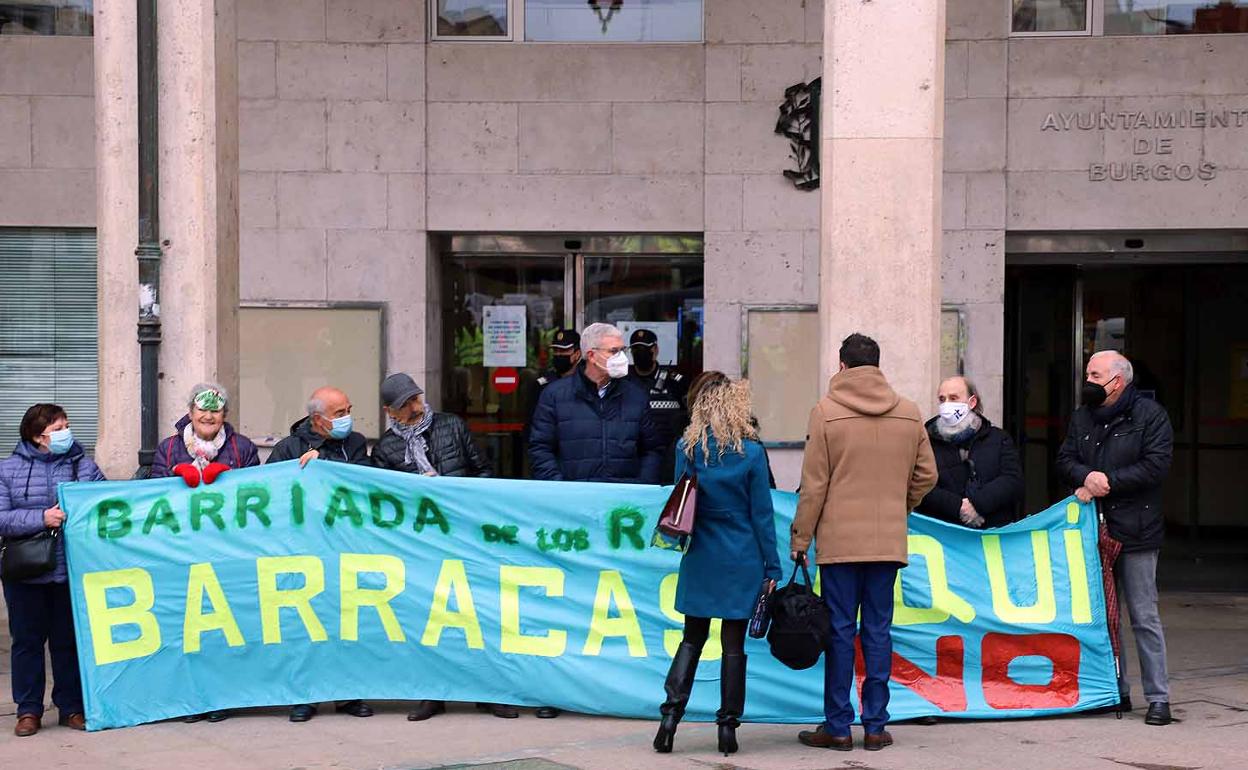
(681, 508)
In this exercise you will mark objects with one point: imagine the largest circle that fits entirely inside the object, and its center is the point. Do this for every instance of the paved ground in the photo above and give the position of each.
(1208, 636)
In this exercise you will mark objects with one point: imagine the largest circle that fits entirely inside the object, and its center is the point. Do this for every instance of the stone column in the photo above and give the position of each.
(117, 210)
(881, 133)
(198, 91)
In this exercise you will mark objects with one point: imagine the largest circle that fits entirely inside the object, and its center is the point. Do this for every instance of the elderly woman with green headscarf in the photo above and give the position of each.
(203, 446)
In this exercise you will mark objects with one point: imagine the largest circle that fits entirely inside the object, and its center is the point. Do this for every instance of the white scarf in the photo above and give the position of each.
(202, 452)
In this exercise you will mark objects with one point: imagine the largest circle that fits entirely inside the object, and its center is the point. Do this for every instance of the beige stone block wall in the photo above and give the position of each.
(333, 128)
(977, 150)
(47, 132)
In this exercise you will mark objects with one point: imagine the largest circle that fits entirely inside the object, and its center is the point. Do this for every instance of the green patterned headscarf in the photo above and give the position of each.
(209, 401)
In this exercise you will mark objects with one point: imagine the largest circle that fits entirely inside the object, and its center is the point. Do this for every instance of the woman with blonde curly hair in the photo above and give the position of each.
(733, 548)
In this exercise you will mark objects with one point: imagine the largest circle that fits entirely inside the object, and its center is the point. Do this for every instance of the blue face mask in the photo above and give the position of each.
(60, 441)
(340, 427)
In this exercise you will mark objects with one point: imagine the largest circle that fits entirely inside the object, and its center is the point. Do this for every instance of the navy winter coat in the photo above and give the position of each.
(577, 436)
(1132, 443)
(991, 477)
(238, 451)
(734, 533)
(28, 480)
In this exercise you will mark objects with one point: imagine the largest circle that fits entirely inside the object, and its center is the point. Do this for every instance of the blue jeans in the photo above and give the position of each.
(847, 589)
(39, 614)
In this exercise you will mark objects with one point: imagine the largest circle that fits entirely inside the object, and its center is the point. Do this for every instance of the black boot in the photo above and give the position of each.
(678, 686)
(731, 701)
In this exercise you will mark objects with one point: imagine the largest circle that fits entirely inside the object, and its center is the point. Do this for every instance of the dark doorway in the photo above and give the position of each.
(1184, 328)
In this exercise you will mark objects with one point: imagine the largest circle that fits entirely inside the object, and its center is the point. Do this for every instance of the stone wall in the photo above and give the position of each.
(47, 132)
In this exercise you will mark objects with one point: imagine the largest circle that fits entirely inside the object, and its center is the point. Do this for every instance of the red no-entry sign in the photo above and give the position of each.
(505, 380)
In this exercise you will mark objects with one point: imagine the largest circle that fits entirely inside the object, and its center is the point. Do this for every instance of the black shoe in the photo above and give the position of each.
(546, 712)
(1124, 704)
(678, 686)
(302, 713)
(218, 716)
(191, 719)
(356, 708)
(731, 700)
(1158, 714)
(500, 710)
(426, 709)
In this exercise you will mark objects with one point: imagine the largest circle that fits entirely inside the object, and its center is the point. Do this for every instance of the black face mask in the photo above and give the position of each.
(643, 357)
(562, 364)
(1092, 394)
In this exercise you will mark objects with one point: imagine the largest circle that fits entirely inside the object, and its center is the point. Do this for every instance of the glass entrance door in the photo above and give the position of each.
(1182, 327)
(504, 297)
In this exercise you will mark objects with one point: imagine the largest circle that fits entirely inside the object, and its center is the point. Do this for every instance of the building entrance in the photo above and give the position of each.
(1179, 316)
(503, 297)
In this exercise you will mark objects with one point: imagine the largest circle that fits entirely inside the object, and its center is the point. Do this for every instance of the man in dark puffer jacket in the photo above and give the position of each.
(981, 480)
(595, 425)
(1118, 452)
(420, 440)
(440, 443)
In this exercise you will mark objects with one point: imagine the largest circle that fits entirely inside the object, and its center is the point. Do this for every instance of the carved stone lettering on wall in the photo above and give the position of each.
(799, 123)
(1153, 157)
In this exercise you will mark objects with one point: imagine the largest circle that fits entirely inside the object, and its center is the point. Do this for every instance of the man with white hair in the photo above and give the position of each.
(1118, 452)
(595, 425)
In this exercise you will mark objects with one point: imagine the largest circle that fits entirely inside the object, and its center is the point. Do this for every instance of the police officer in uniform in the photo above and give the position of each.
(565, 354)
(667, 388)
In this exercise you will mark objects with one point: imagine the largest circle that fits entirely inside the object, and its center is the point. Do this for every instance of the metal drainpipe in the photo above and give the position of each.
(149, 250)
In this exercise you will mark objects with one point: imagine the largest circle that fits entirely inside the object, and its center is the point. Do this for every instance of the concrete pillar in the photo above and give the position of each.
(198, 72)
(881, 132)
(117, 272)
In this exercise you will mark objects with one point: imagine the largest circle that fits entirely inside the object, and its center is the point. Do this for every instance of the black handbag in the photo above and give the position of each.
(800, 622)
(22, 558)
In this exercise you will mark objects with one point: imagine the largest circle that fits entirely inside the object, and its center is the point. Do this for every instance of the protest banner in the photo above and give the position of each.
(280, 585)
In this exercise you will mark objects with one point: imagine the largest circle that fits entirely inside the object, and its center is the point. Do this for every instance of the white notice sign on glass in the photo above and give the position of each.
(503, 330)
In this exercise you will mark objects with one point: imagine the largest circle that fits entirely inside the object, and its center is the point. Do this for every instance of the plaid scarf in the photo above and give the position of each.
(417, 448)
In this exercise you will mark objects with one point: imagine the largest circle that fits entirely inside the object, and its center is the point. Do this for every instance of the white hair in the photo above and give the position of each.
(594, 334)
(202, 386)
(315, 406)
(1118, 364)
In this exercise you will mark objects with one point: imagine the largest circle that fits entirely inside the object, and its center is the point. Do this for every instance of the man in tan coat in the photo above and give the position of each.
(867, 465)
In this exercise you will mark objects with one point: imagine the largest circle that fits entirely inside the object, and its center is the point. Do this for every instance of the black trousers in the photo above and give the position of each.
(40, 614)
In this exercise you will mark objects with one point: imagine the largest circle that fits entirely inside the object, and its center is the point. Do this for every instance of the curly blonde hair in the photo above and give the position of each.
(720, 407)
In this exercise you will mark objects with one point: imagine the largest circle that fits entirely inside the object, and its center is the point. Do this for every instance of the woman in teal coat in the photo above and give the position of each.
(732, 550)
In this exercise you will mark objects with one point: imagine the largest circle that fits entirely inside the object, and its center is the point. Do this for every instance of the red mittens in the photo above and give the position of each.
(189, 474)
(213, 470)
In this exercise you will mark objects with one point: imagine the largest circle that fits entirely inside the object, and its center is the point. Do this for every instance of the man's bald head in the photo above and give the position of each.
(324, 405)
(959, 389)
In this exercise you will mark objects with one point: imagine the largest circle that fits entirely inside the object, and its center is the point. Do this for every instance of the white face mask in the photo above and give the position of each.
(617, 365)
(953, 412)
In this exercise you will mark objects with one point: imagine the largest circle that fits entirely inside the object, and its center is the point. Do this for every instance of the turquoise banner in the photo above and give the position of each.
(280, 585)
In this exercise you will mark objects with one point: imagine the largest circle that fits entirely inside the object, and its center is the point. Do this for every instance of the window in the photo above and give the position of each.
(635, 21)
(48, 334)
(584, 21)
(46, 17)
(1050, 16)
(1127, 17)
(1158, 17)
(481, 19)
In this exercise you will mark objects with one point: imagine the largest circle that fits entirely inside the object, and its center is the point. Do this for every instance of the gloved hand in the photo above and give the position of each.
(189, 474)
(212, 470)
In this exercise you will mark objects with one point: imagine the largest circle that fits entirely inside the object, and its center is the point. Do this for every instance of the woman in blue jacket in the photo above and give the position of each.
(731, 552)
(39, 608)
